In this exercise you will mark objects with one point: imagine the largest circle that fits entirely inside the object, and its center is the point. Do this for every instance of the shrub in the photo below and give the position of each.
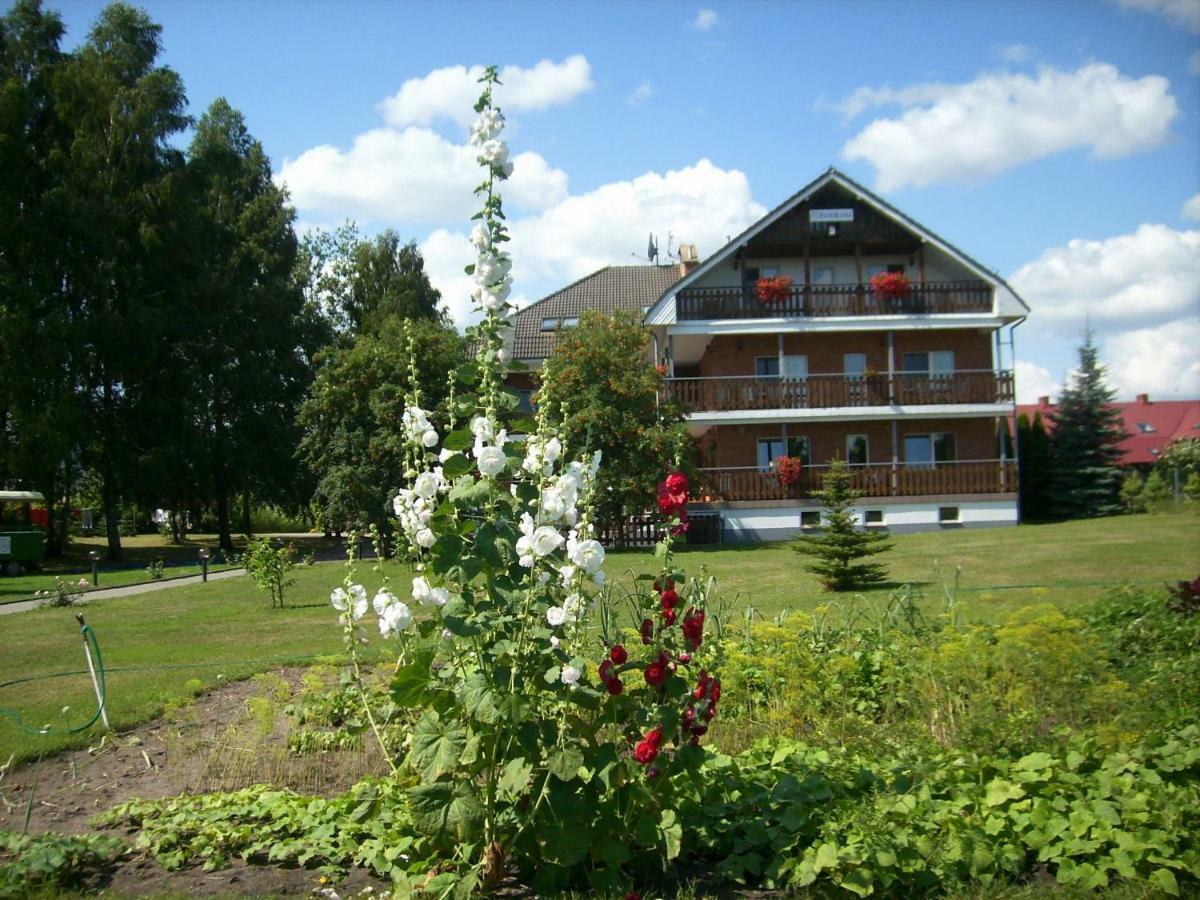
(270, 567)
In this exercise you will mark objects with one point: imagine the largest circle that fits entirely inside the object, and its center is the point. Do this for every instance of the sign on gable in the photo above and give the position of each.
(830, 215)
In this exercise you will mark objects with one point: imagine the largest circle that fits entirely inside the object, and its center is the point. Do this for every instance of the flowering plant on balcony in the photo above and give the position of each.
(789, 469)
(773, 288)
(891, 285)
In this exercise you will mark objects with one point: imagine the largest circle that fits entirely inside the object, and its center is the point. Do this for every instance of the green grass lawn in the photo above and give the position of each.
(140, 551)
(164, 646)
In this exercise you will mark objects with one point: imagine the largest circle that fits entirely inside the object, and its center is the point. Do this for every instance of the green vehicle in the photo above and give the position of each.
(22, 532)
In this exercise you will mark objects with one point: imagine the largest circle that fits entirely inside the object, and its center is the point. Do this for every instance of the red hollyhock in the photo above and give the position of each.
(701, 686)
(618, 655)
(614, 686)
(606, 670)
(693, 627)
(645, 752)
(669, 598)
(647, 631)
(668, 617)
(656, 672)
(677, 483)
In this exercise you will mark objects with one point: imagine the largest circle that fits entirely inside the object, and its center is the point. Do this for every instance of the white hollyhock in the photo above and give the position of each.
(426, 486)
(556, 615)
(588, 555)
(353, 602)
(491, 461)
(420, 590)
(546, 540)
(570, 675)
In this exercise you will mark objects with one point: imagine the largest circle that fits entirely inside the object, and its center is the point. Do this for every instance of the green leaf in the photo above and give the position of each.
(1000, 791)
(487, 545)
(455, 466)
(444, 807)
(459, 440)
(514, 778)
(480, 701)
(672, 833)
(859, 881)
(564, 764)
(410, 684)
(436, 746)
(826, 858)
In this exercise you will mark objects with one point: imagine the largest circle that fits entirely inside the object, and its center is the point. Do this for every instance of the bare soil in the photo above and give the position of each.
(227, 739)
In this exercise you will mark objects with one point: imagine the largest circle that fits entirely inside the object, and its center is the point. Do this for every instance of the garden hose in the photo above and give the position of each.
(92, 648)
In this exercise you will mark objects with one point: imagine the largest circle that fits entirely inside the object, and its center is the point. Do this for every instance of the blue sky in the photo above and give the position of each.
(1057, 142)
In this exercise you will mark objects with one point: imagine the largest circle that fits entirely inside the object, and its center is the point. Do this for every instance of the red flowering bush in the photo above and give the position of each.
(773, 289)
(891, 285)
(789, 469)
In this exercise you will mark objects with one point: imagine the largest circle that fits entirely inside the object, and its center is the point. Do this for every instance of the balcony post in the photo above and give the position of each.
(891, 345)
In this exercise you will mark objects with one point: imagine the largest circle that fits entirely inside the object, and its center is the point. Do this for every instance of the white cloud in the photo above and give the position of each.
(640, 94)
(411, 174)
(1191, 209)
(450, 93)
(706, 20)
(965, 132)
(699, 204)
(1015, 53)
(1163, 361)
(1184, 13)
(1149, 277)
(1034, 381)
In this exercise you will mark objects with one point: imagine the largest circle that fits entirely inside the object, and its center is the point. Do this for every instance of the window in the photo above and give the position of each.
(766, 366)
(810, 518)
(822, 275)
(856, 450)
(525, 401)
(1146, 428)
(935, 362)
(769, 450)
(880, 268)
(948, 515)
(795, 367)
(549, 324)
(873, 517)
(570, 322)
(929, 449)
(854, 363)
(798, 448)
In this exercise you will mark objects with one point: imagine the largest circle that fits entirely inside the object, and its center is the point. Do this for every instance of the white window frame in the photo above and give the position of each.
(846, 357)
(931, 437)
(764, 465)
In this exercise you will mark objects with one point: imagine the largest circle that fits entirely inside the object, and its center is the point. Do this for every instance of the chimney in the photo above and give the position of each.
(1043, 401)
(1143, 399)
(688, 259)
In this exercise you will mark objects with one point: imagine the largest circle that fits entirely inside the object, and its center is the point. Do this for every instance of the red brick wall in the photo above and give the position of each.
(729, 446)
(735, 354)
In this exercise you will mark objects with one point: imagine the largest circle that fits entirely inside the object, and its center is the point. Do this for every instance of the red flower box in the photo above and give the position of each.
(773, 289)
(891, 285)
(789, 469)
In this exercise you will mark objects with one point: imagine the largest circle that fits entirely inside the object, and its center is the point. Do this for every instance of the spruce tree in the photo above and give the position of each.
(842, 548)
(1085, 476)
(1033, 466)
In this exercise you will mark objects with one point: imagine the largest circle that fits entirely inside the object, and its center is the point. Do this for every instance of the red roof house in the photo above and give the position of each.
(1151, 426)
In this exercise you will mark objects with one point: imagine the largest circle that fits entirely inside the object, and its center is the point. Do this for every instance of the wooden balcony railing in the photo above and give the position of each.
(933, 297)
(828, 391)
(990, 476)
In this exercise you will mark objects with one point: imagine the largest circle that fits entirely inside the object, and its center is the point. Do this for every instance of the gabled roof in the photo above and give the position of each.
(1151, 426)
(606, 290)
(833, 176)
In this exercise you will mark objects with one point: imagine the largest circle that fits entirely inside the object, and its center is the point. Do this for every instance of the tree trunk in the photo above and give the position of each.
(54, 544)
(112, 517)
(223, 535)
(246, 527)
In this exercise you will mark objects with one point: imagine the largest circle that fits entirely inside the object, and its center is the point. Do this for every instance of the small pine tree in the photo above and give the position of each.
(1085, 478)
(841, 548)
(1155, 493)
(1191, 489)
(1131, 492)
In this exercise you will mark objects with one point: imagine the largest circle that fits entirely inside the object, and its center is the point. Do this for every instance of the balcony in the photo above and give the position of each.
(989, 476)
(819, 300)
(736, 393)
